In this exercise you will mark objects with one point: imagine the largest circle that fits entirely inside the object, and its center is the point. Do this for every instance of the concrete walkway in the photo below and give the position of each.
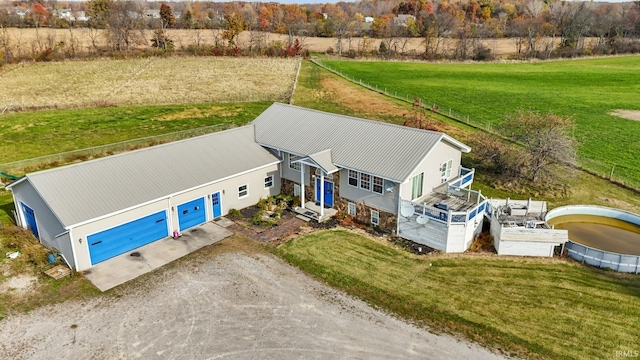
(125, 267)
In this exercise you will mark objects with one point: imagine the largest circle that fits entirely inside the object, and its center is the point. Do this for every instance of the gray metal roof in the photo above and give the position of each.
(321, 159)
(88, 190)
(378, 148)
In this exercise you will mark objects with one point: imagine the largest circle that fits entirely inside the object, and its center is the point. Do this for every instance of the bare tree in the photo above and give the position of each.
(125, 25)
(546, 138)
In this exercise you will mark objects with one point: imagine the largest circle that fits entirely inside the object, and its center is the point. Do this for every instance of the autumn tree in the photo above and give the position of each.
(166, 15)
(125, 26)
(233, 23)
(99, 12)
(546, 139)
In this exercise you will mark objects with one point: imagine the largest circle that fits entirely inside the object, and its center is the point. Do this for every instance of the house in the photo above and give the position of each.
(403, 180)
(151, 14)
(403, 19)
(375, 172)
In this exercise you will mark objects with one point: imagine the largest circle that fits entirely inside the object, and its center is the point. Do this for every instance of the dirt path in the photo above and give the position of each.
(230, 306)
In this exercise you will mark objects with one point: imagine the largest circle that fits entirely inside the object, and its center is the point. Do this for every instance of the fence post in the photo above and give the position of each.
(611, 174)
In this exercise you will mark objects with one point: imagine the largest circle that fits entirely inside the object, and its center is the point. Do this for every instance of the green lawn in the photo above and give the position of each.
(31, 134)
(586, 90)
(527, 307)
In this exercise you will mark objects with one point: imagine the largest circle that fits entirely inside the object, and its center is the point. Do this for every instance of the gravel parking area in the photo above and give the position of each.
(226, 305)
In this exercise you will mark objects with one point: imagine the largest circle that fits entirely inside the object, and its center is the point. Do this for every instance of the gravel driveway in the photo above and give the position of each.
(229, 305)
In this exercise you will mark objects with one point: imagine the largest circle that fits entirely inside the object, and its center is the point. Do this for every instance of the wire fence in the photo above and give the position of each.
(616, 173)
(48, 161)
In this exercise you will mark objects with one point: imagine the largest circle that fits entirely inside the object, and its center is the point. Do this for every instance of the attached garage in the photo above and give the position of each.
(191, 214)
(96, 210)
(132, 235)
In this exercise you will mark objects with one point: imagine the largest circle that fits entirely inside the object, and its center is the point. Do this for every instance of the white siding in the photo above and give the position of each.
(48, 225)
(430, 166)
(229, 199)
(521, 248)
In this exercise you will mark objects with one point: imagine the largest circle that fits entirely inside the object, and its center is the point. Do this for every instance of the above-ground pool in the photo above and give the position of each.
(600, 236)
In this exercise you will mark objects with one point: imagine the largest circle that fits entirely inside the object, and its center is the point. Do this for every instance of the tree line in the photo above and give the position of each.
(447, 28)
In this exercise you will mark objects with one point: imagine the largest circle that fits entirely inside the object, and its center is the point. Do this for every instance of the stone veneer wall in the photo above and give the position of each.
(388, 220)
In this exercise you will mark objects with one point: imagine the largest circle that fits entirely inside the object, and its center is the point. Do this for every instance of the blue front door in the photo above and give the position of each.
(134, 234)
(30, 218)
(191, 214)
(217, 206)
(328, 192)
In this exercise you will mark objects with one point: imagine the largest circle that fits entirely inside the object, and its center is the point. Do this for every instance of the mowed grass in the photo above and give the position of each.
(527, 307)
(176, 80)
(587, 90)
(31, 134)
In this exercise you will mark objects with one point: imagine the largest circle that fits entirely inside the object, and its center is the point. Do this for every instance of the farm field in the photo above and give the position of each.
(36, 133)
(21, 40)
(545, 308)
(175, 80)
(588, 90)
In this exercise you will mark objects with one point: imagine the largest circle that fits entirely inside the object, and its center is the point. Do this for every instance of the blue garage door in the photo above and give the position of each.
(191, 214)
(30, 218)
(120, 239)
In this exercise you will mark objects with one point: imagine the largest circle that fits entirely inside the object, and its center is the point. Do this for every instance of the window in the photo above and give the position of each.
(375, 217)
(268, 182)
(416, 186)
(292, 165)
(365, 181)
(445, 170)
(353, 178)
(351, 209)
(378, 185)
(243, 191)
(296, 190)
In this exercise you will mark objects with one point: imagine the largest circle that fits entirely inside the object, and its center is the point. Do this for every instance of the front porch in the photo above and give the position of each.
(311, 210)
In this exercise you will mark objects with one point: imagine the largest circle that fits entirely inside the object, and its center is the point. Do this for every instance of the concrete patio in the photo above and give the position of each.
(125, 267)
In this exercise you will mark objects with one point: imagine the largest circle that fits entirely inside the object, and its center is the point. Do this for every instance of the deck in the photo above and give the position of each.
(456, 203)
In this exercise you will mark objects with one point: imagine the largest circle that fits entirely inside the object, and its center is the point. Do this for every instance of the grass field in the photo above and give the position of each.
(587, 90)
(176, 80)
(528, 307)
(31, 134)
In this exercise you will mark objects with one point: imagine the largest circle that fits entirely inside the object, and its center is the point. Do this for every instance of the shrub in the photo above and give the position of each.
(234, 214)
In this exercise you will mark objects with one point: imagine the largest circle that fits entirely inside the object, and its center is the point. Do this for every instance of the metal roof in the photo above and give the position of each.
(89, 190)
(320, 159)
(386, 150)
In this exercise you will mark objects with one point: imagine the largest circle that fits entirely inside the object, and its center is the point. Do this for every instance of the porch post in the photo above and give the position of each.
(321, 193)
(302, 185)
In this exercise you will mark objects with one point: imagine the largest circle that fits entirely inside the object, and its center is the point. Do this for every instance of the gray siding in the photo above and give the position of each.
(294, 175)
(387, 202)
(48, 225)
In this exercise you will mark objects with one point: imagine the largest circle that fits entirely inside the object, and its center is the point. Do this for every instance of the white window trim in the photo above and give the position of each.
(357, 178)
(421, 189)
(294, 166)
(445, 170)
(369, 181)
(349, 206)
(265, 182)
(373, 185)
(377, 217)
(297, 190)
(247, 190)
